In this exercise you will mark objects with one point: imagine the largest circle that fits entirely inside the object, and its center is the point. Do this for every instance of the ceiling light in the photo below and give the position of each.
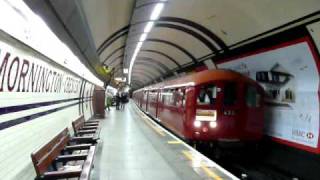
(125, 70)
(136, 51)
(156, 11)
(143, 37)
(139, 45)
(120, 79)
(154, 16)
(148, 27)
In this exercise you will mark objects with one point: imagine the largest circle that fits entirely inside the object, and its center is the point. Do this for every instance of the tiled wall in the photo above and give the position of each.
(30, 119)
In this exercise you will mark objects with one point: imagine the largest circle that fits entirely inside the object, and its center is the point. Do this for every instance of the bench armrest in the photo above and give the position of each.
(86, 168)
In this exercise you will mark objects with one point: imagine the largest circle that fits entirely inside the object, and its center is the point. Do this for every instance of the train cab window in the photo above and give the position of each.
(207, 95)
(230, 93)
(252, 97)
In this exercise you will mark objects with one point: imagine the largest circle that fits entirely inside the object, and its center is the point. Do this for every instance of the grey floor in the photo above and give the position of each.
(131, 150)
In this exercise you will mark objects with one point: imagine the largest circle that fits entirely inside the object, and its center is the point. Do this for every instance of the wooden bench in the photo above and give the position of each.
(51, 159)
(84, 128)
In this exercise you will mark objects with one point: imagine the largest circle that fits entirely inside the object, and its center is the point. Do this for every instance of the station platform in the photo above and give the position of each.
(133, 147)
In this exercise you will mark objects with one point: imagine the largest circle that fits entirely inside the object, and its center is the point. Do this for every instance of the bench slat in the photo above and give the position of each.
(71, 157)
(61, 174)
(90, 131)
(89, 127)
(84, 139)
(91, 124)
(77, 147)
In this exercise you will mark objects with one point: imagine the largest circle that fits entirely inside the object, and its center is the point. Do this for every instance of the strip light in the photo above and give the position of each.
(148, 27)
(156, 11)
(143, 37)
(154, 16)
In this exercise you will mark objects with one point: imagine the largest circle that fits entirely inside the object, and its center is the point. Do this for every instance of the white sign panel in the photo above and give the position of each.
(290, 78)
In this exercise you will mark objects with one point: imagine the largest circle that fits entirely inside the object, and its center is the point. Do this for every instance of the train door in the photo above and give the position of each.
(140, 96)
(173, 109)
(231, 101)
(160, 104)
(157, 102)
(232, 113)
(145, 101)
(181, 107)
(254, 109)
(152, 102)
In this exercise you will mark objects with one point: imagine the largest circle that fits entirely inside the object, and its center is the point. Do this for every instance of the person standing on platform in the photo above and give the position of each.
(108, 101)
(123, 100)
(117, 101)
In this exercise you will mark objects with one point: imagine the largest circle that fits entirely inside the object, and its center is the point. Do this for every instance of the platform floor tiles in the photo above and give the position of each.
(131, 150)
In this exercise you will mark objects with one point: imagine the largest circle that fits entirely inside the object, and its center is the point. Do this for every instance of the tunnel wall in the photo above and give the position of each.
(38, 98)
(289, 73)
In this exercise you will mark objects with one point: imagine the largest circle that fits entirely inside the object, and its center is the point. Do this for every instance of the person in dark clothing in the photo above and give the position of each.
(117, 101)
(123, 100)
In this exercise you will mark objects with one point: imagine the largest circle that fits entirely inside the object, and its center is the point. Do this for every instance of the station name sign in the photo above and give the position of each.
(19, 74)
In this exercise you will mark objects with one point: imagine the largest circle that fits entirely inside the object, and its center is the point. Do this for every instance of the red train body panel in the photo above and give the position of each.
(216, 105)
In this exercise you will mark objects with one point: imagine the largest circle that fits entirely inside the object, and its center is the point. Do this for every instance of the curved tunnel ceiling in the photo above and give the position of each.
(185, 32)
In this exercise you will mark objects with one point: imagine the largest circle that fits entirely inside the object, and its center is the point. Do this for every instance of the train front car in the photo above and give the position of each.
(224, 107)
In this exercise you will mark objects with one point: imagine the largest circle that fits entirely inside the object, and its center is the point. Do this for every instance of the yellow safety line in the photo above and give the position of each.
(188, 155)
(145, 119)
(174, 142)
(153, 127)
(203, 167)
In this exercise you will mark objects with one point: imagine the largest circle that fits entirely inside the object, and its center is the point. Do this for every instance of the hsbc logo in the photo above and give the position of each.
(310, 135)
(300, 133)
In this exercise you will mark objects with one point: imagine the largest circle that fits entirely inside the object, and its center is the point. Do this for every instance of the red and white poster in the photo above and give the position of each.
(290, 76)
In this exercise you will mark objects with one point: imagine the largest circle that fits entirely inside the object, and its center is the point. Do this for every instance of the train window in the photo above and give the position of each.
(207, 95)
(167, 97)
(252, 97)
(230, 93)
(145, 96)
(182, 97)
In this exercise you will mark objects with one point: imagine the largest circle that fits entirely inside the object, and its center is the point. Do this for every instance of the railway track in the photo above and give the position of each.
(248, 164)
(245, 163)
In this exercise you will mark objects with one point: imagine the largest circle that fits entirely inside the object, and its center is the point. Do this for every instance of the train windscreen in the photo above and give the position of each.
(230, 94)
(207, 95)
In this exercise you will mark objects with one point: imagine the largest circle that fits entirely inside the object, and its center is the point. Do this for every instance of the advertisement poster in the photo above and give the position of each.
(290, 78)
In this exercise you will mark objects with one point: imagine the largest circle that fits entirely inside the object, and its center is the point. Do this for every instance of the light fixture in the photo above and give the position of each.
(148, 27)
(125, 70)
(156, 11)
(154, 16)
(120, 79)
(197, 124)
(213, 124)
(143, 37)
(136, 51)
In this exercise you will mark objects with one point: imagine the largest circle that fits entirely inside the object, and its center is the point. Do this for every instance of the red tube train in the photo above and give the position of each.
(210, 106)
